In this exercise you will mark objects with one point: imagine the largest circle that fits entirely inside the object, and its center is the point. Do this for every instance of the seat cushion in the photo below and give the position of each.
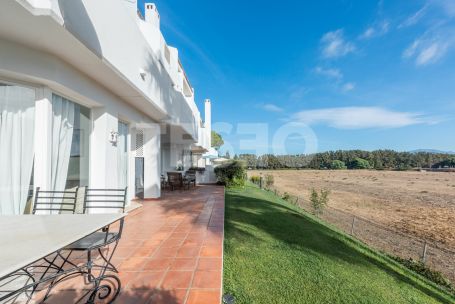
(92, 240)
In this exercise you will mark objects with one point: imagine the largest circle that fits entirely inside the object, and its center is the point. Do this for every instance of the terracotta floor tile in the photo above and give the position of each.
(123, 252)
(175, 296)
(144, 252)
(188, 251)
(207, 279)
(133, 297)
(211, 251)
(158, 264)
(166, 252)
(133, 263)
(178, 235)
(146, 280)
(172, 242)
(203, 297)
(125, 277)
(184, 264)
(177, 279)
(210, 264)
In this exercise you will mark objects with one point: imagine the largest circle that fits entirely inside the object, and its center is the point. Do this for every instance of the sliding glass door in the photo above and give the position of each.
(70, 144)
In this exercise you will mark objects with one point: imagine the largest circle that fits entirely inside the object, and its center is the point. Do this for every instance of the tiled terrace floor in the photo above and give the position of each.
(171, 250)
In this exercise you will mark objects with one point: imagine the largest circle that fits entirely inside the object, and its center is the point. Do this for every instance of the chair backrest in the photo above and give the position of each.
(100, 199)
(174, 178)
(55, 202)
(190, 174)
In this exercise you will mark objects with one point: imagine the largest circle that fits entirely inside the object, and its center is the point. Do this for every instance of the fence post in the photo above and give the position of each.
(297, 200)
(424, 252)
(260, 182)
(353, 225)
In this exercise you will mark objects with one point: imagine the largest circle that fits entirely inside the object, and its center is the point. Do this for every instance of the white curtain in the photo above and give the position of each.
(122, 159)
(62, 136)
(17, 115)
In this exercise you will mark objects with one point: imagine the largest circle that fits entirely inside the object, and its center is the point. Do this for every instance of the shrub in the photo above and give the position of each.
(269, 180)
(319, 200)
(337, 165)
(286, 196)
(360, 163)
(231, 174)
(255, 179)
(428, 273)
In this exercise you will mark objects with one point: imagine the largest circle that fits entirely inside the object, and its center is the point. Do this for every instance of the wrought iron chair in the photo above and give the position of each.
(52, 202)
(190, 177)
(55, 202)
(101, 199)
(176, 180)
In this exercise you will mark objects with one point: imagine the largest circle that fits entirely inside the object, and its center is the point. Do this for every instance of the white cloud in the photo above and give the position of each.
(349, 86)
(272, 108)
(376, 30)
(369, 32)
(431, 53)
(427, 50)
(360, 118)
(334, 45)
(331, 73)
(414, 18)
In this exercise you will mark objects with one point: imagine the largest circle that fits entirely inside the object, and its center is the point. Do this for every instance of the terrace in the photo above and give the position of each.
(170, 252)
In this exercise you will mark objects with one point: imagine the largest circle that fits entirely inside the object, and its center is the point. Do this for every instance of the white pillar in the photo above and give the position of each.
(43, 139)
(103, 154)
(208, 122)
(152, 157)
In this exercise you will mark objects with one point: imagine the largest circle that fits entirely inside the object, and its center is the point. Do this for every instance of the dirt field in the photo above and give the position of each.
(417, 203)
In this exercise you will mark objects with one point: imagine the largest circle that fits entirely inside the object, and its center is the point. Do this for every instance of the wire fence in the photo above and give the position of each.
(392, 242)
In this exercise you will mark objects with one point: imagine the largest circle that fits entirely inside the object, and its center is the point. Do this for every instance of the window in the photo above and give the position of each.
(70, 144)
(78, 168)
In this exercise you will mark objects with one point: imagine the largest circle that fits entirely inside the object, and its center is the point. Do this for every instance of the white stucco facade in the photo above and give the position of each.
(102, 56)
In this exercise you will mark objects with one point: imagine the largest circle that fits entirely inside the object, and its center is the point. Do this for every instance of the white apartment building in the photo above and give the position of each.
(91, 95)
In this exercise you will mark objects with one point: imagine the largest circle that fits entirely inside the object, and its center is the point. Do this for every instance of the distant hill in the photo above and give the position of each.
(432, 151)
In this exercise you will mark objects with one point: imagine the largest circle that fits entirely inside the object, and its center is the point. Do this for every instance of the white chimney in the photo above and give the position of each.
(208, 121)
(151, 14)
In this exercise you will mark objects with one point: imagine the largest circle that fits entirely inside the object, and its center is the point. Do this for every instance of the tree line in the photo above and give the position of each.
(350, 159)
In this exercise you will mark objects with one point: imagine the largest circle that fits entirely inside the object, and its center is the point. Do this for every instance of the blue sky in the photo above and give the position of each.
(343, 74)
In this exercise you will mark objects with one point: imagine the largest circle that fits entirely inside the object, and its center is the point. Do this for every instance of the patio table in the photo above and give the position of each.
(26, 239)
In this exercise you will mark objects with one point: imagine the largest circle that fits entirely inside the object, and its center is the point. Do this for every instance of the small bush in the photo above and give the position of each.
(319, 200)
(360, 163)
(255, 179)
(231, 174)
(337, 165)
(269, 181)
(428, 273)
(286, 196)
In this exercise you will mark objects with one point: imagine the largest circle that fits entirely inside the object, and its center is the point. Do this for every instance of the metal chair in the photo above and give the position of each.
(112, 199)
(190, 177)
(176, 180)
(105, 199)
(55, 201)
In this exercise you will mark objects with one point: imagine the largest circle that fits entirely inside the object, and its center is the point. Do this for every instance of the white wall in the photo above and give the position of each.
(36, 68)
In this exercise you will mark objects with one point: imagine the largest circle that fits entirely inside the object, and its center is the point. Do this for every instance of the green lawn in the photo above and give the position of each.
(275, 253)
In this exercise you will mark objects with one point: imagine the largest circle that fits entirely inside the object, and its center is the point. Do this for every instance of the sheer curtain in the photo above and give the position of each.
(62, 136)
(17, 118)
(122, 159)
